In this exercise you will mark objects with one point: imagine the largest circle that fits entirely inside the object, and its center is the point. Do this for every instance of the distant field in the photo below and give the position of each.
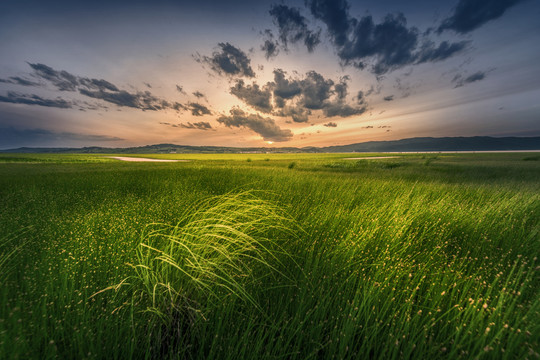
(270, 256)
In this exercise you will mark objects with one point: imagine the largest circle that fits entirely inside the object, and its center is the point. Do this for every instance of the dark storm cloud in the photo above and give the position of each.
(471, 14)
(383, 47)
(264, 126)
(253, 95)
(198, 109)
(202, 125)
(459, 80)
(270, 46)
(330, 124)
(389, 98)
(31, 99)
(293, 28)
(11, 137)
(229, 61)
(19, 81)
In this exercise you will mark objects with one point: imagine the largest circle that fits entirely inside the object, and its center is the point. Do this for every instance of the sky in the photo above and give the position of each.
(265, 73)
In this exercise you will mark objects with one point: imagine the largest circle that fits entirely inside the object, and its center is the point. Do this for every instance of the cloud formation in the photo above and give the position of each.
(270, 46)
(31, 99)
(293, 28)
(198, 109)
(19, 81)
(230, 61)
(330, 124)
(459, 80)
(202, 125)
(264, 126)
(198, 94)
(381, 47)
(298, 97)
(99, 89)
(253, 95)
(141, 100)
(180, 89)
(471, 14)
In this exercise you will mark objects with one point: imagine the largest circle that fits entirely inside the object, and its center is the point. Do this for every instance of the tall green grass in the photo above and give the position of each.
(236, 259)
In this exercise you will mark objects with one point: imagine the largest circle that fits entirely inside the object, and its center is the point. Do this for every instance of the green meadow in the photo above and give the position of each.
(270, 256)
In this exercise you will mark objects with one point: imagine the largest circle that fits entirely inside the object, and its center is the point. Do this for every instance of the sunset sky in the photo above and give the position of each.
(266, 73)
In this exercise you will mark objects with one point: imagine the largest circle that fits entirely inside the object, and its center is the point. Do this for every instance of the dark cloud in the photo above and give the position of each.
(330, 124)
(198, 94)
(342, 110)
(202, 125)
(471, 14)
(293, 28)
(180, 89)
(178, 107)
(284, 88)
(383, 47)
(460, 80)
(315, 90)
(198, 109)
(11, 137)
(229, 61)
(298, 114)
(31, 99)
(95, 88)
(389, 98)
(19, 81)
(62, 80)
(264, 126)
(429, 52)
(270, 46)
(298, 97)
(361, 97)
(140, 100)
(253, 95)
(335, 14)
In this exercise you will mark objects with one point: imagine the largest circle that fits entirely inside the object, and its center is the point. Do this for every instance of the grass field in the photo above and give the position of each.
(266, 256)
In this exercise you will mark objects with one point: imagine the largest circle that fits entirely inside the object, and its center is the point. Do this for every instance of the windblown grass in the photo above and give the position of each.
(436, 260)
(210, 253)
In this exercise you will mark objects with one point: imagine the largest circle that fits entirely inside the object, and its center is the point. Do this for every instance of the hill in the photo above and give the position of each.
(420, 144)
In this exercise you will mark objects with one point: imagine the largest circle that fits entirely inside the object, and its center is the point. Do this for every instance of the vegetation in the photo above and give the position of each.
(292, 256)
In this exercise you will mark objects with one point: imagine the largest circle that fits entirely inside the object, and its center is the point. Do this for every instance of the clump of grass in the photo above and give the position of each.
(292, 165)
(532, 158)
(209, 255)
(248, 160)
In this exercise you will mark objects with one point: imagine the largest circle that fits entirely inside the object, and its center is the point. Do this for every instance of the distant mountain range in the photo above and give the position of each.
(420, 144)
